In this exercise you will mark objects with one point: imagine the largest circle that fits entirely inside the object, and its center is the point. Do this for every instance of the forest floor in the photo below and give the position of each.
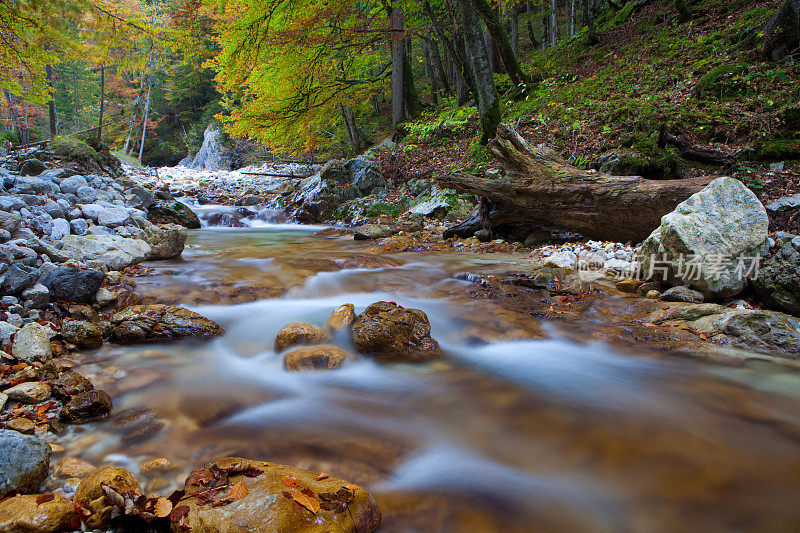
(705, 80)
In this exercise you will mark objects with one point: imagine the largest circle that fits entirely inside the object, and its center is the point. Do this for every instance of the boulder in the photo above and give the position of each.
(18, 278)
(778, 280)
(166, 241)
(314, 358)
(299, 333)
(70, 384)
(682, 294)
(172, 212)
(390, 332)
(766, 332)
(113, 216)
(564, 259)
(86, 407)
(61, 228)
(710, 241)
(372, 231)
(342, 317)
(115, 252)
(365, 175)
(25, 514)
(24, 462)
(91, 493)
(329, 504)
(10, 221)
(152, 323)
(32, 343)
(37, 295)
(73, 284)
(73, 467)
(29, 392)
(31, 167)
(81, 333)
(72, 184)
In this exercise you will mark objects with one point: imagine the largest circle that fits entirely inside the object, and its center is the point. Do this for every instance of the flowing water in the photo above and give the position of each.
(514, 430)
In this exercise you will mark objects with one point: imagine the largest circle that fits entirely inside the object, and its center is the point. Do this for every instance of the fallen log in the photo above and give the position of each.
(276, 175)
(693, 152)
(537, 188)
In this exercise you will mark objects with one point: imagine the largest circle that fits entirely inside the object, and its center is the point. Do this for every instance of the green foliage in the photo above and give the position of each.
(449, 120)
(9, 136)
(74, 149)
(779, 150)
(726, 80)
(381, 208)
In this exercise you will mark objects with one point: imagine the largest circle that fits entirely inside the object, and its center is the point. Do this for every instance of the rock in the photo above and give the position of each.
(18, 278)
(74, 285)
(78, 226)
(653, 295)
(10, 221)
(72, 467)
(115, 252)
(70, 384)
(778, 280)
(365, 174)
(86, 194)
(24, 462)
(682, 294)
(104, 297)
(709, 241)
(784, 204)
(264, 502)
(628, 285)
(86, 407)
(3, 400)
(766, 332)
(72, 184)
(166, 241)
(390, 332)
(172, 212)
(157, 465)
(29, 392)
(61, 228)
(648, 286)
(314, 358)
(90, 491)
(24, 514)
(38, 295)
(82, 334)
(483, 235)
(149, 323)
(31, 167)
(562, 259)
(212, 155)
(113, 216)
(299, 333)
(32, 343)
(21, 425)
(372, 231)
(342, 316)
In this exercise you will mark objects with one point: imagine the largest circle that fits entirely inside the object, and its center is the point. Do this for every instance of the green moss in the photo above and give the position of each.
(75, 149)
(381, 208)
(790, 117)
(779, 150)
(724, 81)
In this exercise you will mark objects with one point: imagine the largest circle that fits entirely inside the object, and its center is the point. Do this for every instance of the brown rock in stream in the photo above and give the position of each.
(342, 316)
(314, 358)
(90, 492)
(86, 407)
(82, 334)
(281, 498)
(153, 323)
(26, 514)
(390, 332)
(299, 333)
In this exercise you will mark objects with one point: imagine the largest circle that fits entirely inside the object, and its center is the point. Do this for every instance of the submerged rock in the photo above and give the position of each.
(710, 240)
(25, 514)
(152, 323)
(390, 332)
(299, 333)
(24, 462)
(269, 504)
(314, 358)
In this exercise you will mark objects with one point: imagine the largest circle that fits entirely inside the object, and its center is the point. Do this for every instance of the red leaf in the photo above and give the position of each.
(290, 481)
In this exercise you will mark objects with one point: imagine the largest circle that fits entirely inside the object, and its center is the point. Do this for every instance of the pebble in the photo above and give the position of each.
(72, 467)
(23, 425)
(30, 392)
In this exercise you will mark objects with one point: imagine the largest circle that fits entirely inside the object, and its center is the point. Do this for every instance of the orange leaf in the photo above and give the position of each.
(322, 475)
(350, 486)
(289, 481)
(312, 504)
(163, 508)
(238, 492)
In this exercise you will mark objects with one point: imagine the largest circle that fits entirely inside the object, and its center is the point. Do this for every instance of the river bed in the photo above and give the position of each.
(518, 428)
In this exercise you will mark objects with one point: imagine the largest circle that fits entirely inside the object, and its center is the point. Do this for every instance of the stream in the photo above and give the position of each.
(519, 428)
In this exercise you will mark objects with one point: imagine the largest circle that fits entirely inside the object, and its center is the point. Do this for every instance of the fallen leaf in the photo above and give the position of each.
(289, 481)
(237, 492)
(179, 513)
(44, 498)
(322, 475)
(312, 504)
(163, 508)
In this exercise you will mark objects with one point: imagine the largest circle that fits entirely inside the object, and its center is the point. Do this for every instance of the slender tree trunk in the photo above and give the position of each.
(102, 104)
(532, 34)
(131, 125)
(588, 17)
(145, 115)
(546, 38)
(554, 21)
(571, 17)
(438, 68)
(398, 106)
(495, 63)
(51, 105)
(500, 38)
(431, 75)
(513, 24)
(355, 135)
(12, 111)
(486, 93)
(410, 94)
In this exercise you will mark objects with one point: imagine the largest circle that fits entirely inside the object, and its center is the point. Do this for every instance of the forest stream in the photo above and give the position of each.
(502, 434)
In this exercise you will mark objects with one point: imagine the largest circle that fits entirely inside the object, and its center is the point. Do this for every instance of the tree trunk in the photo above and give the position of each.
(410, 94)
(398, 107)
(102, 104)
(553, 21)
(546, 39)
(438, 68)
(486, 93)
(146, 113)
(683, 10)
(534, 41)
(782, 33)
(355, 135)
(538, 188)
(12, 110)
(513, 23)
(433, 78)
(588, 16)
(500, 38)
(51, 105)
